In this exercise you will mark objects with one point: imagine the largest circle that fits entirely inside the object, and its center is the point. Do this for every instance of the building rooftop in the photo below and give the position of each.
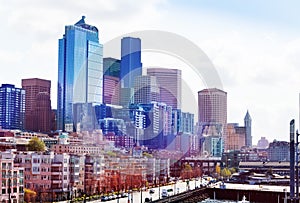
(81, 23)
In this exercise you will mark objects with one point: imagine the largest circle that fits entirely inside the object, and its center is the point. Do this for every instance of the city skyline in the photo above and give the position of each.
(254, 53)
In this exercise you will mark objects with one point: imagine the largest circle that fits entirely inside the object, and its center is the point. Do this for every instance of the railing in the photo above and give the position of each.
(180, 197)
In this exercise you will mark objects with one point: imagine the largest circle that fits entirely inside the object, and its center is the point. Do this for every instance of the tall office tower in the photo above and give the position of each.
(131, 65)
(111, 67)
(43, 112)
(12, 107)
(247, 122)
(111, 90)
(212, 120)
(80, 76)
(37, 105)
(111, 81)
(169, 81)
(145, 90)
(212, 106)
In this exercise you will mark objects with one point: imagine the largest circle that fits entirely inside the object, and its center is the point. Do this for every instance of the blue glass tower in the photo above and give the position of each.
(12, 107)
(131, 65)
(80, 73)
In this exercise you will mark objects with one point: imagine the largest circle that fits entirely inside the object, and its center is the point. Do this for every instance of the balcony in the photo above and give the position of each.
(56, 172)
(57, 181)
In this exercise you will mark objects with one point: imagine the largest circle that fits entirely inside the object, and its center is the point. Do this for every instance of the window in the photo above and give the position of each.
(35, 169)
(21, 173)
(3, 183)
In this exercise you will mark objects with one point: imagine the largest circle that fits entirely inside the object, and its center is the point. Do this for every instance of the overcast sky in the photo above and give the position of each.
(254, 46)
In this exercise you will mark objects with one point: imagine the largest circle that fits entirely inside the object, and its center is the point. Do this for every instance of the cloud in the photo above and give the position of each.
(257, 62)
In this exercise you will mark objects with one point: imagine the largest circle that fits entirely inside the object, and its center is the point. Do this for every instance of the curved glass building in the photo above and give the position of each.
(80, 74)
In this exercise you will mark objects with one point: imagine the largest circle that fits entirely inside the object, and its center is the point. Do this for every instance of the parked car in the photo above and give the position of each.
(148, 199)
(170, 191)
(104, 198)
(164, 193)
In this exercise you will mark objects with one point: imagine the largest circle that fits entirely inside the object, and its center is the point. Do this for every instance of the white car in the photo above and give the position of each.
(164, 193)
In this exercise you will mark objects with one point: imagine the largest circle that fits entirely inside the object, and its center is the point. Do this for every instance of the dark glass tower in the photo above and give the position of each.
(131, 65)
(12, 107)
(80, 73)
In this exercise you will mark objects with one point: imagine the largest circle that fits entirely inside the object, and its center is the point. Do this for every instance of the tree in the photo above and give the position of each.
(35, 144)
(29, 195)
(225, 172)
(186, 172)
(218, 169)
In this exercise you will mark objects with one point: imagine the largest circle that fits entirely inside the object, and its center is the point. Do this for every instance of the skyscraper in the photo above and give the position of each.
(43, 112)
(212, 120)
(38, 104)
(131, 65)
(169, 81)
(111, 81)
(212, 106)
(247, 122)
(12, 107)
(145, 90)
(80, 74)
(111, 67)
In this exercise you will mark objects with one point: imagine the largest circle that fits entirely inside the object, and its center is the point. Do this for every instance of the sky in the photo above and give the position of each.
(254, 46)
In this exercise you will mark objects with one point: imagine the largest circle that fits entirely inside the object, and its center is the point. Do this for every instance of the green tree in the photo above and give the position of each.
(232, 170)
(146, 154)
(111, 154)
(35, 144)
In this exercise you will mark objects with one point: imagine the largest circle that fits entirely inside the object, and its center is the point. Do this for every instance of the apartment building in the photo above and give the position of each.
(11, 178)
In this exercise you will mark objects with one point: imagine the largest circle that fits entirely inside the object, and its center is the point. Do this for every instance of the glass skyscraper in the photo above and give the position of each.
(80, 74)
(131, 65)
(12, 107)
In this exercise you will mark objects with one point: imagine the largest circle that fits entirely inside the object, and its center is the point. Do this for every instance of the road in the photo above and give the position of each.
(180, 187)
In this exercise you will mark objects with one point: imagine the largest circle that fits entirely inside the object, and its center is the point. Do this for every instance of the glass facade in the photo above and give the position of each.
(80, 72)
(12, 107)
(131, 65)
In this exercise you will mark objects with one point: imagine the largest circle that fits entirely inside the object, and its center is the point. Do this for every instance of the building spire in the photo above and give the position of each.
(247, 116)
(81, 21)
